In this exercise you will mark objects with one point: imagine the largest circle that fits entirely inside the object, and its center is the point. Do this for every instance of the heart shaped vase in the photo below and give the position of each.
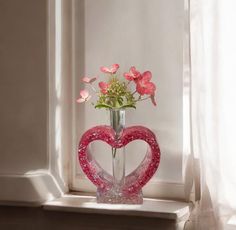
(118, 188)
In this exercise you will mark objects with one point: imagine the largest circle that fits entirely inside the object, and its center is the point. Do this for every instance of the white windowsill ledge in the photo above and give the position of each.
(166, 209)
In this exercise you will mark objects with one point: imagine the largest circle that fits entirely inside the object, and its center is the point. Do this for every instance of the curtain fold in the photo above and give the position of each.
(213, 110)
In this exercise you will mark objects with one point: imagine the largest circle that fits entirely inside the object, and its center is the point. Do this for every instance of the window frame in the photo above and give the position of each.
(155, 189)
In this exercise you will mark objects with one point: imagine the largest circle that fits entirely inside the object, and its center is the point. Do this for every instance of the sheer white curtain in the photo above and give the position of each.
(213, 110)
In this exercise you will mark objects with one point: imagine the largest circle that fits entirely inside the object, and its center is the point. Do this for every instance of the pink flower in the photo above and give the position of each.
(112, 70)
(89, 80)
(133, 74)
(84, 96)
(144, 86)
(103, 86)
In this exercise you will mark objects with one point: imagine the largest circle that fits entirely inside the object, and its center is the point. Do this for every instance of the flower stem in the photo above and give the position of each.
(143, 99)
(93, 88)
(114, 152)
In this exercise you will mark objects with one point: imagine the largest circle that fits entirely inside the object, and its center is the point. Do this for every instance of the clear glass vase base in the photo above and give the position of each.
(113, 197)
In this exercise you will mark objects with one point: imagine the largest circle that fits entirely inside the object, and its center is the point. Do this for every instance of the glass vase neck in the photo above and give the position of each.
(117, 120)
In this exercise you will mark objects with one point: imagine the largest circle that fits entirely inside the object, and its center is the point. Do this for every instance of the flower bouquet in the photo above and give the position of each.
(118, 94)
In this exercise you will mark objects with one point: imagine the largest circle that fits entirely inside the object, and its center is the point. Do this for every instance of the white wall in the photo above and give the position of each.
(23, 86)
(24, 78)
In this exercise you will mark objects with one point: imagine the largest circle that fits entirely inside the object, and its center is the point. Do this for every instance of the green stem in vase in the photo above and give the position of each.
(114, 152)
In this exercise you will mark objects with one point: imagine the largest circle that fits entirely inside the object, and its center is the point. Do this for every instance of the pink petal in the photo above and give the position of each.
(89, 80)
(150, 88)
(114, 68)
(80, 100)
(86, 80)
(128, 77)
(84, 93)
(145, 88)
(104, 69)
(132, 69)
(146, 76)
(135, 73)
(140, 89)
(153, 100)
(103, 86)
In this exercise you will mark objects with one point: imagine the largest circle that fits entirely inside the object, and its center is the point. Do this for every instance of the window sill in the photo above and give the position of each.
(165, 209)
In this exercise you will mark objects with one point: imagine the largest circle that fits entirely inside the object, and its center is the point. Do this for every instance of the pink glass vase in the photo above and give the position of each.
(119, 188)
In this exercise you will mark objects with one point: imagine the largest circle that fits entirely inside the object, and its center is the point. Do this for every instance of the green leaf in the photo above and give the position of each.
(120, 100)
(129, 106)
(100, 106)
